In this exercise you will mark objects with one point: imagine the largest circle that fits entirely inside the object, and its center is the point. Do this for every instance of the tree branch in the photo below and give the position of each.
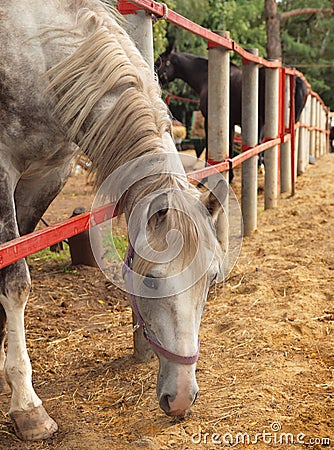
(301, 11)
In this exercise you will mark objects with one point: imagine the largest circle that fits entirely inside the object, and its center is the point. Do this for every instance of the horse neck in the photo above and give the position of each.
(192, 70)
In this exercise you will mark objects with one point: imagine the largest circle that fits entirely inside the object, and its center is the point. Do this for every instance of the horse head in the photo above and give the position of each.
(171, 263)
(165, 66)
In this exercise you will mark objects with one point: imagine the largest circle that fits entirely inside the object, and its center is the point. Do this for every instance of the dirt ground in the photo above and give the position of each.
(267, 358)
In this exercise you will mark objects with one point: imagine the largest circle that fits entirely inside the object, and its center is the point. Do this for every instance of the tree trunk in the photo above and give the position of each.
(274, 48)
(273, 24)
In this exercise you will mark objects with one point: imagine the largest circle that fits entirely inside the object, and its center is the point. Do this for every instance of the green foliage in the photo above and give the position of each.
(61, 258)
(307, 40)
(242, 18)
(194, 10)
(115, 247)
(160, 41)
(307, 44)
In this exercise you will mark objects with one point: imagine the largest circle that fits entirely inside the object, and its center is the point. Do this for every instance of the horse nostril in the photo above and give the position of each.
(164, 403)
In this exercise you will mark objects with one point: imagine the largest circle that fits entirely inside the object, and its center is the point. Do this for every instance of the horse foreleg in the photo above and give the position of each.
(30, 419)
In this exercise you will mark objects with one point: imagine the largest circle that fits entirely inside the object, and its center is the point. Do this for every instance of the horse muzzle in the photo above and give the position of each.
(173, 407)
(177, 389)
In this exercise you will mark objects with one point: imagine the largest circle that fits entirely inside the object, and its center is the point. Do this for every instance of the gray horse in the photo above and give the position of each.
(71, 79)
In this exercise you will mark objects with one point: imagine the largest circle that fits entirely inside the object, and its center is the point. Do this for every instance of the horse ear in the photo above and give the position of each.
(214, 199)
(170, 48)
(157, 211)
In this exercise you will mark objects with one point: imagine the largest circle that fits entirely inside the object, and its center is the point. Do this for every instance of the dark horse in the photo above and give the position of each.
(194, 71)
(331, 139)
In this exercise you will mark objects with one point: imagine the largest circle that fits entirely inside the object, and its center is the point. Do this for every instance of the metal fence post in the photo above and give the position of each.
(312, 124)
(249, 126)
(323, 127)
(302, 146)
(285, 172)
(218, 122)
(297, 150)
(270, 132)
(317, 125)
(139, 27)
(307, 118)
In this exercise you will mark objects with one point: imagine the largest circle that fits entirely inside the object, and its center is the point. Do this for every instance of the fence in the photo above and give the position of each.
(297, 142)
(287, 145)
(284, 141)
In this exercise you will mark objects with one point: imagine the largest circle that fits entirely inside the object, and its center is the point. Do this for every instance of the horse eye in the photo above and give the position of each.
(151, 282)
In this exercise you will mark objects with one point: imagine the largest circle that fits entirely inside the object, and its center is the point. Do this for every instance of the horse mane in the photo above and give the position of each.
(104, 94)
(105, 97)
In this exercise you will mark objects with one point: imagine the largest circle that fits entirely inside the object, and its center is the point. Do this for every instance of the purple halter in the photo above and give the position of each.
(158, 348)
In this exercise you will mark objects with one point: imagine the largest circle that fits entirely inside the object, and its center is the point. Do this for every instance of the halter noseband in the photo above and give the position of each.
(157, 347)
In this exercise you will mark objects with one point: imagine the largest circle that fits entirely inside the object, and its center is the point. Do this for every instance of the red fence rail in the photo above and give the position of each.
(24, 246)
(28, 244)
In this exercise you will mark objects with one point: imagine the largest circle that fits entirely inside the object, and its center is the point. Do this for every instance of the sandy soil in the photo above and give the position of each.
(267, 359)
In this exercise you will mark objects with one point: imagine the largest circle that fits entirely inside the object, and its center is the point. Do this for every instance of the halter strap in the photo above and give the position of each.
(157, 347)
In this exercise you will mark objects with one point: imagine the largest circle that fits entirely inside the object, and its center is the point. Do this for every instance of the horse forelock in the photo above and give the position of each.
(183, 216)
(105, 95)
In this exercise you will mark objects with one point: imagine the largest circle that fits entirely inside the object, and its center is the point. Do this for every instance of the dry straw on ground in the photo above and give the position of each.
(266, 341)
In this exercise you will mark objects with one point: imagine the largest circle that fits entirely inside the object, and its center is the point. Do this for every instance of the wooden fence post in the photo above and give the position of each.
(270, 132)
(249, 126)
(218, 123)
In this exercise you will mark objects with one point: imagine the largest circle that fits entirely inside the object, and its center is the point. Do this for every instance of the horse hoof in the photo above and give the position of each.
(33, 425)
(4, 386)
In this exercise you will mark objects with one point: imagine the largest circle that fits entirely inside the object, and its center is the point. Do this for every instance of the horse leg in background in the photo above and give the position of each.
(231, 153)
(31, 421)
(4, 386)
(206, 139)
(260, 158)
